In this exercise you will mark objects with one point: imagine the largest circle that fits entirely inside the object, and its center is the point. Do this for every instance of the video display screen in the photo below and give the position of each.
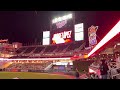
(62, 37)
(79, 32)
(46, 41)
(46, 38)
(46, 34)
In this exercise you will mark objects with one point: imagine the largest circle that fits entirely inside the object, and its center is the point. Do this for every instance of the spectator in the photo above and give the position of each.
(77, 74)
(104, 70)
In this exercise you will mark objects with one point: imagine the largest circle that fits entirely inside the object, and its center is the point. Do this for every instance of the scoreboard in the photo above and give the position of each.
(63, 30)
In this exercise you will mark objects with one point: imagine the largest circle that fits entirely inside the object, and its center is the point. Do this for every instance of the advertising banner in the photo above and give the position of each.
(92, 35)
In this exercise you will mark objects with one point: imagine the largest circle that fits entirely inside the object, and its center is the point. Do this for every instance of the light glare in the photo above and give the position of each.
(69, 16)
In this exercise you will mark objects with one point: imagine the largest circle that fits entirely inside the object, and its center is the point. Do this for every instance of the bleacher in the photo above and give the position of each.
(29, 66)
(50, 48)
(20, 50)
(29, 49)
(61, 47)
(60, 50)
(74, 45)
(39, 49)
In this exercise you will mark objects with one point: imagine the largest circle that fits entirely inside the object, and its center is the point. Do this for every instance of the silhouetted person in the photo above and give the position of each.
(104, 69)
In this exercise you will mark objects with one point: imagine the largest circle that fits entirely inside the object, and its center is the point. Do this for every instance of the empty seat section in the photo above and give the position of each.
(38, 49)
(29, 49)
(20, 50)
(50, 48)
(74, 46)
(61, 48)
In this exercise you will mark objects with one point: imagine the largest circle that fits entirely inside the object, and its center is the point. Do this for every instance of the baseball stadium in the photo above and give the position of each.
(64, 50)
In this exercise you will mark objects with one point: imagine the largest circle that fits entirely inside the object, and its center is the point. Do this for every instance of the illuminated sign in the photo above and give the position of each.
(61, 24)
(69, 16)
(112, 33)
(79, 36)
(46, 41)
(61, 37)
(79, 27)
(63, 63)
(46, 34)
(79, 32)
(92, 35)
(46, 38)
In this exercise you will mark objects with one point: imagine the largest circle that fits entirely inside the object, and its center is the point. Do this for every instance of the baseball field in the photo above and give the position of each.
(30, 75)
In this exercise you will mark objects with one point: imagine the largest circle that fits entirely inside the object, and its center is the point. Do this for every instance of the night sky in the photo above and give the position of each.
(26, 26)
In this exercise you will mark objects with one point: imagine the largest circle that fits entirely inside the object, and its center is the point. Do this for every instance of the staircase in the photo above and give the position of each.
(48, 67)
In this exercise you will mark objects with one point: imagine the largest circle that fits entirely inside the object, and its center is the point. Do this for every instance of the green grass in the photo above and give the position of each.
(29, 75)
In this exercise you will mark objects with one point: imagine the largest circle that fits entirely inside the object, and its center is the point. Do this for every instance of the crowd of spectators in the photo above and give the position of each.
(28, 65)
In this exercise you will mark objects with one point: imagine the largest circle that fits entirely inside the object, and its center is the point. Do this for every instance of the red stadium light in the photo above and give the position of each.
(112, 33)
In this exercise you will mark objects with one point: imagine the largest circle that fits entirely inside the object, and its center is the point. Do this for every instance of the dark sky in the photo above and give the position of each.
(26, 26)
